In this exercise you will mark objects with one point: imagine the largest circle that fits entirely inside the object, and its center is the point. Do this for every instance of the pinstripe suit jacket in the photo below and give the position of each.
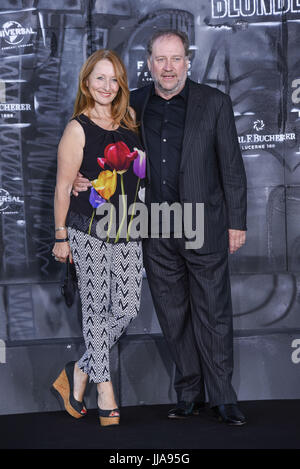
(211, 169)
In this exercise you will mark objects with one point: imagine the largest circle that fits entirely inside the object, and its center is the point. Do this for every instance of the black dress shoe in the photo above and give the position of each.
(185, 409)
(230, 414)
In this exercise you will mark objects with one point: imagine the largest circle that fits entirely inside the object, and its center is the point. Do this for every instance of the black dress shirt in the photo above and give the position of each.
(164, 127)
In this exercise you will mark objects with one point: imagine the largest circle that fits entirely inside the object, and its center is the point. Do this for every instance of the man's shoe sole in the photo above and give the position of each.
(232, 424)
(196, 413)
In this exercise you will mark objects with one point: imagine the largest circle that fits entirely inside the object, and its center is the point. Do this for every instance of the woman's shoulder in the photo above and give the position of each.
(74, 125)
(81, 120)
(74, 131)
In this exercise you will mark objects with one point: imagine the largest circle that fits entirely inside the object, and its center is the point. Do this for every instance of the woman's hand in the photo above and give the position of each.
(62, 251)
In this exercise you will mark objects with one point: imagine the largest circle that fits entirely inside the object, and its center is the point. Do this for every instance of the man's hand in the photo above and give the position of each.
(80, 184)
(236, 239)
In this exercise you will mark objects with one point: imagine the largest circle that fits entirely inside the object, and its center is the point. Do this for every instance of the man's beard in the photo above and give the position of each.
(168, 91)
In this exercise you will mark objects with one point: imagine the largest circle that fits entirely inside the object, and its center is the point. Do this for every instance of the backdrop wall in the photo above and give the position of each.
(247, 48)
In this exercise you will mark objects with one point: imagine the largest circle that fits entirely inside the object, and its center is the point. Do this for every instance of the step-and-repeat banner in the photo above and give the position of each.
(247, 48)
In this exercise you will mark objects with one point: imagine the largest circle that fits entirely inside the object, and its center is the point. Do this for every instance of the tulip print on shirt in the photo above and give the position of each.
(119, 158)
(115, 164)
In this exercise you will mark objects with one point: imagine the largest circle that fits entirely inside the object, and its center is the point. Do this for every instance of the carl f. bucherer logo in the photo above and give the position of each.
(258, 125)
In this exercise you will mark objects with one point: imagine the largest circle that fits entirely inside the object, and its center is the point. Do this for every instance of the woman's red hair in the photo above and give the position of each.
(84, 102)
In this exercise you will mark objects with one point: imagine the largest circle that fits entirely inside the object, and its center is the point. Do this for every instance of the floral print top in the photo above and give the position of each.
(114, 162)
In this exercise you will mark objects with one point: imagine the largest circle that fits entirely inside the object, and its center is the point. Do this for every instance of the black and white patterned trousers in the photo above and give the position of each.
(109, 280)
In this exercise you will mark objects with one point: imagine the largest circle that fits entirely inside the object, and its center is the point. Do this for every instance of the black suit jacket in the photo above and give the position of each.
(211, 169)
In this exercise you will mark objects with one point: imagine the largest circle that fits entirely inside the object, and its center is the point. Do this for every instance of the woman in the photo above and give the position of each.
(102, 142)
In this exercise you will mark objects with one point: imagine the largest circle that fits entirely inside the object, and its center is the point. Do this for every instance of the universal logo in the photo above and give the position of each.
(6, 200)
(14, 34)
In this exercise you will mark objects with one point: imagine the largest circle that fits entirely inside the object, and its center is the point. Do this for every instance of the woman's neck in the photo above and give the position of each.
(101, 115)
(101, 112)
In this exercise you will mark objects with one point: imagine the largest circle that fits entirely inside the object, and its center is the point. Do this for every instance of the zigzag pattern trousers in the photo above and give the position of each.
(109, 281)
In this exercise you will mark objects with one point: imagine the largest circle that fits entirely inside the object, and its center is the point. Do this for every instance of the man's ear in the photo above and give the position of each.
(187, 62)
(149, 63)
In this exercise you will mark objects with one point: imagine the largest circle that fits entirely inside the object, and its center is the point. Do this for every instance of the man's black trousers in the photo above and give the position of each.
(192, 297)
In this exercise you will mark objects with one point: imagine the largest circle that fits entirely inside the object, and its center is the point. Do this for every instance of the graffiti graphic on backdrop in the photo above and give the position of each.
(135, 53)
(2, 351)
(296, 96)
(296, 353)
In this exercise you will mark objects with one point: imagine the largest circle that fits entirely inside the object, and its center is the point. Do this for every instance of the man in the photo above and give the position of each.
(193, 157)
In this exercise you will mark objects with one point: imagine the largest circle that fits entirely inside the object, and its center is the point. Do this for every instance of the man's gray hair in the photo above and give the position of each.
(169, 32)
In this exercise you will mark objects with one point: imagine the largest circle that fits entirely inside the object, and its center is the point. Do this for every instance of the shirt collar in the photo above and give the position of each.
(183, 93)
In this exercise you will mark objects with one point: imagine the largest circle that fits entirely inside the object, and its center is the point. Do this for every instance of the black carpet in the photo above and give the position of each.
(271, 425)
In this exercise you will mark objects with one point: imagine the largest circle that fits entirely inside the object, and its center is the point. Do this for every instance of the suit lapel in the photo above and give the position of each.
(145, 100)
(195, 112)
(144, 104)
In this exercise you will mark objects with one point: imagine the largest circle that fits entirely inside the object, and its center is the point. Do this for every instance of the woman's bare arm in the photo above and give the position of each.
(69, 159)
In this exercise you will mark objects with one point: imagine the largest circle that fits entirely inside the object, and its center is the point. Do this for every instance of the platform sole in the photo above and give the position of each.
(106, 421)
(61, 389)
